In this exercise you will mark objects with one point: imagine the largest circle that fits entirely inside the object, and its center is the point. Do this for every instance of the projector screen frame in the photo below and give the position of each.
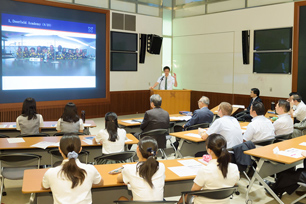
(90, 101)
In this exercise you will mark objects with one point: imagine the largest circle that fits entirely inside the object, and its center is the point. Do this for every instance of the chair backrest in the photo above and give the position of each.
(4, 136)
(264, 142)
(68, 133)
(18, 159)
(56, 154)
(217, 194)
(144, 202)
(154, 132)
(283, 137)
(201, 125)
(120, 157)
(35, 135)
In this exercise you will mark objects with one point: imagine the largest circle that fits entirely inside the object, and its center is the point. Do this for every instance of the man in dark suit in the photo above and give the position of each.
(156, 118)
(245, 115)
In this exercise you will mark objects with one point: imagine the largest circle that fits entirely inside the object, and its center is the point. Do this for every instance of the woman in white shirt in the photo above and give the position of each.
(219, 173)
(29, 122)
(70, 121)
(146, 179)
(112, 137)
(71, 182)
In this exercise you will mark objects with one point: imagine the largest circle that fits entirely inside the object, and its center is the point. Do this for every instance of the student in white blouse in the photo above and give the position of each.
(112, 137)
(261, 128)
(71, 182)
(219, 173)
(146, 179)
(284, 124)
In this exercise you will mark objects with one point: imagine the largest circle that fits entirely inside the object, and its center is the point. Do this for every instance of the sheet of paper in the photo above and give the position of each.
(15, 140)
(12, 126)
(303, 144)
(87, 124)
(128, 140)
(87, 141)
(44, 144)
(292, 152)
(190, 162)
(138, 120)
(3, 126)
(238, 106)
(90, 138)
(276, 150)
(193, 135)
(181, 118)
(130, 122)
(53, 125)
(183, 171)
(245, 127)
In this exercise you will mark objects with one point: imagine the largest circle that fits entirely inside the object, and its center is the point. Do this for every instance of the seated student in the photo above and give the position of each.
(71, 182)
(299, 128)
(261, 128)
(300, 111)
(284, 124)
(226, 125)
(70, 121)
(29, 122)
(219, 173)
(146, 179)
(291, 97)
(245, 115)
(112, 137)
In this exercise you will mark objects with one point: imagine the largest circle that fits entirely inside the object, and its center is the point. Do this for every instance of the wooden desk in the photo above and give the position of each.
(195, 144)
(111, 190)
(215, 110)
(25, 147)
(271, 163)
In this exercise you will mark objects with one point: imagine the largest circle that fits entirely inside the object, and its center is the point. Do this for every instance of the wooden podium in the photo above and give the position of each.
(174, 101)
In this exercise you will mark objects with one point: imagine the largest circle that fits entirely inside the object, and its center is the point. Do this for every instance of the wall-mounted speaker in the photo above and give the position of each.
(246, 46)
(143, 46)
(154, 44)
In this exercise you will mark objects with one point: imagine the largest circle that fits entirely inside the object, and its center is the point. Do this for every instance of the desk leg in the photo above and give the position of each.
(258, 177)
(179, 148)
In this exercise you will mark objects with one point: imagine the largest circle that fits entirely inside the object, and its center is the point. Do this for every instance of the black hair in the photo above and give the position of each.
(29, 108)
(297, 98)
(217, 143)
(294, 93)
(70, 169)
(255, 91)
(70, 113)
(166, 67)
(259, 108)
(284, 104)
(148, 148)
(111, 125)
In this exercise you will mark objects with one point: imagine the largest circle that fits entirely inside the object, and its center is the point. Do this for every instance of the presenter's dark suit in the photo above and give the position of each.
(203, 115)
(245, 115)
(156, 118)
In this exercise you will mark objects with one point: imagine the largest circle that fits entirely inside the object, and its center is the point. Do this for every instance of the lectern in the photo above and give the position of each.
(174, 101)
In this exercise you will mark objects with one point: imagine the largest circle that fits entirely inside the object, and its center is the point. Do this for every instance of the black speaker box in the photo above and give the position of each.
(143, 46)
(154, 44)
(246, 46)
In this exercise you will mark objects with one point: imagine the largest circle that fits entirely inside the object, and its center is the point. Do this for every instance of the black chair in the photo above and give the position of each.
(160, 136)
(143, 202)
(13, 166)
(280, 138)
(264, 142)
(120, 157)
(169, 137)
(34, 135)
(4, 136)
(201, 125)
(56, 154)
(216, 194)
(68, 133)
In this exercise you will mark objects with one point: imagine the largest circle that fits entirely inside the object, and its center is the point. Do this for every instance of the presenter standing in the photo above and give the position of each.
(166, 82)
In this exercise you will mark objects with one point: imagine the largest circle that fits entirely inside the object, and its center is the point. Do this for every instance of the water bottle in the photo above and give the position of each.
(83, 115)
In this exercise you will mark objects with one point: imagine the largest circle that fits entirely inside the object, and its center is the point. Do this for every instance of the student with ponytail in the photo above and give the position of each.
(146, 179)
(71, 182)
(29, 122)
(219, 173)
(112, 137)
